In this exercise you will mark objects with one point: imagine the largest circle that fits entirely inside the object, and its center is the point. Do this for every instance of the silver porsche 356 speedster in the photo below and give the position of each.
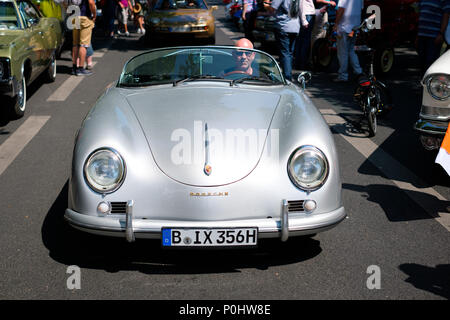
(204, 146)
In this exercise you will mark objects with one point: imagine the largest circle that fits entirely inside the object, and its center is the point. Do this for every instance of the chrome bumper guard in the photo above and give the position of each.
(129, 233)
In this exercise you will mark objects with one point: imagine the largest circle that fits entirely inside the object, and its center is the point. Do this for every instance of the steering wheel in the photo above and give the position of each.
(236, 74)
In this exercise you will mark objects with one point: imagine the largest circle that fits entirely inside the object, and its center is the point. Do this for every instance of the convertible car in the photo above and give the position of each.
(28, 46)
(196, 148)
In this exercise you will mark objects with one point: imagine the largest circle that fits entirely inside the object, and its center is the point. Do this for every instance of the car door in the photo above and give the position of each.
(35, 32)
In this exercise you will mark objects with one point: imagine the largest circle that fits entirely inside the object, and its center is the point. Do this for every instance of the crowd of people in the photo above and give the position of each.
(82, 50)
(300, 22)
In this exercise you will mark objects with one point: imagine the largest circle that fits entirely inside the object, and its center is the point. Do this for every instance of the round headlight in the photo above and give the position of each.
(104, 170)
(155, 20)
(308, 168)
(439, 86)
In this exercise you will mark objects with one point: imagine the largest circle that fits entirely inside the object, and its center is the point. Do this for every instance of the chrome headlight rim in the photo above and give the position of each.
(320, 182)
(92, 184)
(430, 78)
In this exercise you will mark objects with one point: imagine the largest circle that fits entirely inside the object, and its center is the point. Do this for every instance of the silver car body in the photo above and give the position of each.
(242, 191)
(435, 113)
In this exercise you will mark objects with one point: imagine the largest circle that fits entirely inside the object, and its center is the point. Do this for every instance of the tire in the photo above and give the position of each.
(371, 116)
(384, 60)
(322, 55)
(50, 73)
(19, 102)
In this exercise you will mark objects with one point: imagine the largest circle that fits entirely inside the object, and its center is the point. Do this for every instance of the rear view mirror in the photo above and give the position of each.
(304, 78)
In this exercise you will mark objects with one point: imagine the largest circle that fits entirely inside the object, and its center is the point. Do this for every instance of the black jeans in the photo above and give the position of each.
(428, 52)
(249, 25)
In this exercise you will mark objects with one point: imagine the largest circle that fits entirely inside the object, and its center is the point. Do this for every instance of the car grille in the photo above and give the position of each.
(118, 207)
(296, 206)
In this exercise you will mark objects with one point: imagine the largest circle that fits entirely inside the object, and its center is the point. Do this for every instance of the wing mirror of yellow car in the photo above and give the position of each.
(214, 8)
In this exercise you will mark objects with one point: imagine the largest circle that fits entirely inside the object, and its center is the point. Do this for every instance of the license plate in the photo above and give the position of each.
(180, 29)
(183, 237)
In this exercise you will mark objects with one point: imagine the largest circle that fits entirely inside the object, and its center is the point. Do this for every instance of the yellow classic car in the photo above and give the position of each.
(28, 44)
(181, 19)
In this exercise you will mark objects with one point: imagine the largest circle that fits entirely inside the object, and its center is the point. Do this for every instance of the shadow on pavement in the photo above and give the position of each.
(71, 247)
(400, 209)
(435, 280)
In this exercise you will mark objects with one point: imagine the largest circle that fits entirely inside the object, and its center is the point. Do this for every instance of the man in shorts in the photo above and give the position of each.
(82, 37)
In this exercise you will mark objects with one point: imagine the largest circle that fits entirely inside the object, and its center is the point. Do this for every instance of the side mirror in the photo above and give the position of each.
(304, 78)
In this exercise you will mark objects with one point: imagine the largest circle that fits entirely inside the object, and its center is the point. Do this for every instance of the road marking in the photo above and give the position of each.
(19, 139)
(225, 29)
(403, 178)
(64, 90)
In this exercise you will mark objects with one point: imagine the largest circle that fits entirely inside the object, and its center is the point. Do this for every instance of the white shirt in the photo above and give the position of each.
(352, 15)
(306, 8)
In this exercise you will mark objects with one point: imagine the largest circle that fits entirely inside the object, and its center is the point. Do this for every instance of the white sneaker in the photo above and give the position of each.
(143, 31)
(139, 31)
(127, 34)
(118, 32)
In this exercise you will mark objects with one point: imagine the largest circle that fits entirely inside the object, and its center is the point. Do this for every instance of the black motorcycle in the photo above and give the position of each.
(372, 95)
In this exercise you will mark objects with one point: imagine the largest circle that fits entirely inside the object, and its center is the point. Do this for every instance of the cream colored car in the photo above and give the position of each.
(435, 112)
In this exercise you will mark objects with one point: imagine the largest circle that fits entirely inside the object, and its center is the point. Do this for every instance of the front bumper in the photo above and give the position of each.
(431, 127)
(129, 228)
(169, 32)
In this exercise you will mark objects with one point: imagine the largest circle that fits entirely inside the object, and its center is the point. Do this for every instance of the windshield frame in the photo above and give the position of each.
(122, 85)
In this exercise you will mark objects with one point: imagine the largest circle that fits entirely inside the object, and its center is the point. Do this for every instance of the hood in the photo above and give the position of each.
(441, 65)
(182, 16)
(205, 136)
(7, 38)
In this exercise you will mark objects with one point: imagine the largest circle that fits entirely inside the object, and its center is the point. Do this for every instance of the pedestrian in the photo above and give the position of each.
(82, 37)
(307, 18)
(124, 5)
(286, 30)
(109, 13)
(249, 13)
(139, 12)
(433, 21)
(348, 16)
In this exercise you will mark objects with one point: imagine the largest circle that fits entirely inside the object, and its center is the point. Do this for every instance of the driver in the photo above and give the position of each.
(243, 59)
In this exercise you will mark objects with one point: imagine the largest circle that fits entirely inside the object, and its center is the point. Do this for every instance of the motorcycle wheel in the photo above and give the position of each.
(371, 116)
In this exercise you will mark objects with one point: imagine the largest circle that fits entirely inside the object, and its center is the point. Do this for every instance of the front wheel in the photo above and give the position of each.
(371, 116)
(19, 102)
(50, 75)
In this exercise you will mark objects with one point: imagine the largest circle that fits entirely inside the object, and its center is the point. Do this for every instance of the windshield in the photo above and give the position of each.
(176, 65)
(179, 4)
(8, 16)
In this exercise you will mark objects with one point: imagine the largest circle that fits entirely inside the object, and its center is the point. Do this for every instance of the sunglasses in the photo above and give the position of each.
(240, 53)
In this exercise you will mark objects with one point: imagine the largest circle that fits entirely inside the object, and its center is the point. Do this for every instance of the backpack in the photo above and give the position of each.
(294, 9)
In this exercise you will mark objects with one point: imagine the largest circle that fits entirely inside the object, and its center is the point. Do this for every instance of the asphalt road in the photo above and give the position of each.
(395, 197)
